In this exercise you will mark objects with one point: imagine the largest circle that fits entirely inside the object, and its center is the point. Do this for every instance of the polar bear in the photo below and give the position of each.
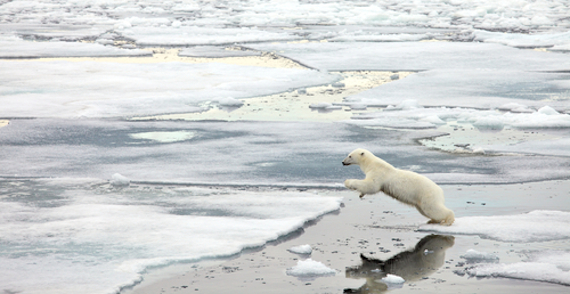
(405, 186)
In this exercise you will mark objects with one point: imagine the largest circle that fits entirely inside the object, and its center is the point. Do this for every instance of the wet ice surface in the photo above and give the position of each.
(476, 112)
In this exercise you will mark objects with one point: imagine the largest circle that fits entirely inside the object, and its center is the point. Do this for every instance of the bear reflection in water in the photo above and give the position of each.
(426, 258)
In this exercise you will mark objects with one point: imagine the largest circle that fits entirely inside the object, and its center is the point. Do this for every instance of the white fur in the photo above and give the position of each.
(406, 186)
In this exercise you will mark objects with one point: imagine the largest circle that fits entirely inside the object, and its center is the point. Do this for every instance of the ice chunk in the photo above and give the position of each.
(230, 101)
(392, 279)
(301, 249)
(547, 110)
(489, 123)
(118, 180)
(321, 105)
(405, 105)
(474, 256)
(515, 107)
(535, 226)
(310, 269)
(433, 119)
(358, 106)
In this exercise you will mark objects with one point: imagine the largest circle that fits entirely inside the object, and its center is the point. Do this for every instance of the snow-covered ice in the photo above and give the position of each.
(310, 269)
(106, 89)
(94, 240)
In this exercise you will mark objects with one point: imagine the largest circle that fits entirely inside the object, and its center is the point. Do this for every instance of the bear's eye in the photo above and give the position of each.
(362, 153)
(350, 156)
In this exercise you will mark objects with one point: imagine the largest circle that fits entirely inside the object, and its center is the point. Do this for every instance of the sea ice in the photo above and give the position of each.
(535, 226)
(310, 269)
(302, 249)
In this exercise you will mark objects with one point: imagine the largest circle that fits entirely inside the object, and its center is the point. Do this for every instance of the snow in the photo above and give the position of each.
(310, 269)
(301, 249)
(546, 266)
(535, 226)
(474, 256)
(125, 231)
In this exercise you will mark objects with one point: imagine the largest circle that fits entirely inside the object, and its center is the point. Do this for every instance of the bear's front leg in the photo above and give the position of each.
(362, 186)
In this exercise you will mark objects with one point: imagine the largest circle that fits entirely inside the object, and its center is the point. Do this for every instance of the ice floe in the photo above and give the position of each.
(91, 239)
(301, 249)
(106, 89)
(545, 266)
(310, 269)
(474, 256)
(535, 226)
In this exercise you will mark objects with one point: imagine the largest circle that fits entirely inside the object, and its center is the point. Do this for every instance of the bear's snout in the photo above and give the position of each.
(344, 163)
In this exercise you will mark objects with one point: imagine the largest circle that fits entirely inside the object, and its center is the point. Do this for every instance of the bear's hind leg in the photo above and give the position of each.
(438, 214)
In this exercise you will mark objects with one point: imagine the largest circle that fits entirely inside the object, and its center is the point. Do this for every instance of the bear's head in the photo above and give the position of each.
(356, 157)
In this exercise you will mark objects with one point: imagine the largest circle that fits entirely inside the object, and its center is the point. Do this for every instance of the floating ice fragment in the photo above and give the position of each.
(230, 101)
(393, 280)
(474, 256)
(301, 249)
(321, 105)
(358, 106)
(434, 119)
(405, 105)
(310, 269)
(548, 110)
(478, 150)
(118, 180)
(489, 123)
